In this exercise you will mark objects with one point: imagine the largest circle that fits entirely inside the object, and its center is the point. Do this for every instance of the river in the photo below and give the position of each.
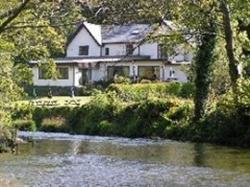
(56, 159)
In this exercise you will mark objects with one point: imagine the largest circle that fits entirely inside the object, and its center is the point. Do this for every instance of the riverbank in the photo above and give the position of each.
(143, 110)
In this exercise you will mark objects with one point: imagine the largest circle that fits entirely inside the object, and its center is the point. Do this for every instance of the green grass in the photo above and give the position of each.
(58, 101)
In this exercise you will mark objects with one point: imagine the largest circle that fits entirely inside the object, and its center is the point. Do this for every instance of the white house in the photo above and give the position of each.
(99, 52)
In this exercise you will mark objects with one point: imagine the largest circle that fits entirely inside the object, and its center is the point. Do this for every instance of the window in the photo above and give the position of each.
(118, 70)
(171, 73)
(42, 74)
(129, 49)
(163, 52)
(86, 75)
(149, 72)
(84, 50)
(63, 72)
(106, 51)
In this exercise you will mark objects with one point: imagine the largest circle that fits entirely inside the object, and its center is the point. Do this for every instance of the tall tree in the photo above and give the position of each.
(30, 30)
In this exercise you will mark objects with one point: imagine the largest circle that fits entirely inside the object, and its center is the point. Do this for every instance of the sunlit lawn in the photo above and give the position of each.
(57, 101)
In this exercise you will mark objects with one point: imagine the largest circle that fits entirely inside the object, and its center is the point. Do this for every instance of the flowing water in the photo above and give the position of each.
(84, 161)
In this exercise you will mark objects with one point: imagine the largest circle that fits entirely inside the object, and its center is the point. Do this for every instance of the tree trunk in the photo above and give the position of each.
(228, 31)
(203, 70)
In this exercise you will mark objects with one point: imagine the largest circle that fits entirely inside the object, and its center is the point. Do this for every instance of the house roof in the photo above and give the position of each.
(96, 59)
(113, 33)
(124, 33)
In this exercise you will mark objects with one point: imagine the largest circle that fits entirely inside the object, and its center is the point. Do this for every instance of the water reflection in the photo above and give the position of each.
(183, 154)
(199, 155)
(64, 160)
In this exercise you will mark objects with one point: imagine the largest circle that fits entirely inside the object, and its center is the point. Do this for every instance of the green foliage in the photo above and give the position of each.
(203, 69)
(228, 122)
(105, 128)
(138, 92)
(22, 111)
(9, 90)
(54, 124)
(24, 125)
(109, 114)
(122, 80)
(7, 138)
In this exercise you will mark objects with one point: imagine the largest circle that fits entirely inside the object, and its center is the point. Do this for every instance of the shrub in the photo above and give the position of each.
(22, 111)
(229, 121)
(41, 113)
(7, 139)
(24, 125)
(54, 124)
(187, 90)
(122, 80)
(139, 92)
(105, 128)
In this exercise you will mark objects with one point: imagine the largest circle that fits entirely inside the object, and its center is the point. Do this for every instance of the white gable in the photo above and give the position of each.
(83, 38)
(95, 31)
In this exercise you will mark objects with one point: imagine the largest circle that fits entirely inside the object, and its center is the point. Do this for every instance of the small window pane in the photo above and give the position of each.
(163, 52)
(106, 51)
(129, 49)
(84, 50)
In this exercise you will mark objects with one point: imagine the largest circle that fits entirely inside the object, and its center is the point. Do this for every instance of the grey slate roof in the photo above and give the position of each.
(124, 33)
(114, 33)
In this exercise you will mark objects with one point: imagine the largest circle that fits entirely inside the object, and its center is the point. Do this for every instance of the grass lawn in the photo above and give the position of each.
(57, 101)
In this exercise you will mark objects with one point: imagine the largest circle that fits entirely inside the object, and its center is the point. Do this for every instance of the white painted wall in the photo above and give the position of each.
(81, 39)
(117, 49)
(50, 82)
(150, 49)
(100, 73)
(179, 74)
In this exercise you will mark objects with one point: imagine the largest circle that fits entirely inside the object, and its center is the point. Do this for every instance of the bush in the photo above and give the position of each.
(54, 124)
(187, 90)
(7, 139)
(122, 80)
(139, 92)
(22, 111)
(105, 128)
(24, 125)
(41, 113)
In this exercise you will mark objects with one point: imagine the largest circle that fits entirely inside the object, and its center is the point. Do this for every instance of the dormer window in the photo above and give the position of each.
(106, 51)
(162, 52)
(129, 49)
(84, 50)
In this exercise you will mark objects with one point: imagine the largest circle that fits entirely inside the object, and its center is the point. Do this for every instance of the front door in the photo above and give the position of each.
(85, 77)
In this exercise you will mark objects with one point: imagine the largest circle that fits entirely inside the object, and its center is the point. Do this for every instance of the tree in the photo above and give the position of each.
(30, 30)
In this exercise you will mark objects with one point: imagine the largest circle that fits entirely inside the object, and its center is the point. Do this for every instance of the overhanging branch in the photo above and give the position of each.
(13, 15)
